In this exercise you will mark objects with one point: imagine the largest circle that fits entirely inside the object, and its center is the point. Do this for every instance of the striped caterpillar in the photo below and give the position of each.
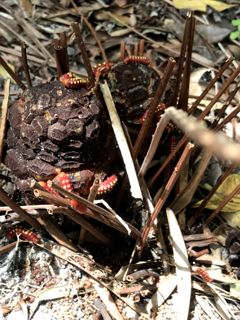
(102, 68)
(23, 234)
(108, 184)
(137, 59)
(70, 81)
(204, 274)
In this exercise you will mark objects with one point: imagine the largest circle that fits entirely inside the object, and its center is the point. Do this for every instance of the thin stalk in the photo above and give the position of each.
(86, 62)
(168, 188)
(202, 115)
(12, 74)
(91, 29)
(104, 216)
(82, 221)
(141, 47)
(210, 85)
(185, 196)
(3, 118)
(60, 48)
(167, 160)
(122, 50)
(226, 199)
(224, 107)
(156, 100)
(25, 65)
(199, 210)
(22, 213)
(184, 91)
(228, 118)
(225, 86)
(186, 36)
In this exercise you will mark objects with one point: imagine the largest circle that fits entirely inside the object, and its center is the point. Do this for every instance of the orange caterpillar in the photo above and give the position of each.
(23, 234)
(70, 81)
(108, 184)
(137, 59)
(157, 113)
(101, 69)
(63, 180)
(204, 274)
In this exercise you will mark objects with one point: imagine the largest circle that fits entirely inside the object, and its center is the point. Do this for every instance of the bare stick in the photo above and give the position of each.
(181, 59)
(12, 74)
(82, 221)
(167, 160)
(154, 144)
(15, 207)
(141, 47)
(168, 188)
(25, 65)
(185, 196)
(86, 62)
(30, 207)
(183, 94)
(210, 85)
(60, 48)
(122, 50)
(183, 269)
(4, 114)
(135, 49)
(122, 142)
(91, 29)
(104, 216)
(226, 199)
(199, 210)
(156, 100)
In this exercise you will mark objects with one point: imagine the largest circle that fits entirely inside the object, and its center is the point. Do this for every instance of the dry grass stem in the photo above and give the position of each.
(82, 221)
(92, 30)
(225, 200)
(217, 143)
(22, 213)
(168, 188)
(12, 74)
(56, 233)
(103, 215)
(183, 269)
(186, 195)
(154, 103)
(25, 65)
(4, 110)
(122, 142)
(199, 210)
(86, 62)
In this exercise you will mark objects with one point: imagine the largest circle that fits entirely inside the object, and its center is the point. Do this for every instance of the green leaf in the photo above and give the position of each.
(236, 22)
(235, 35)
(223, 190)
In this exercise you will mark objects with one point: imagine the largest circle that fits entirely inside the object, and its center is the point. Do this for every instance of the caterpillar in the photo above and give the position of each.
(70, 81)
(102, 68)
(23, 233)
(47, 187)
(204, 274)
(137, 59)
(157, 113)
(108, 184)
(64, 181)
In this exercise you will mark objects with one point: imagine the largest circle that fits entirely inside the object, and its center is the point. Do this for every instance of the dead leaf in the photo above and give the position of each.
(27, 7)
(201, 5)
(213, 32)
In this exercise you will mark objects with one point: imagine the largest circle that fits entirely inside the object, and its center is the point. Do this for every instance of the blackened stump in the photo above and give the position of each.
(52, 127)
